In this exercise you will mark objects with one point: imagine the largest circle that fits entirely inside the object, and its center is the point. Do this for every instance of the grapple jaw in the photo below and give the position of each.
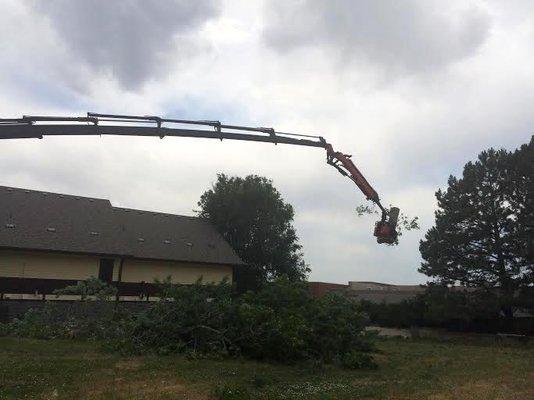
(385, 229)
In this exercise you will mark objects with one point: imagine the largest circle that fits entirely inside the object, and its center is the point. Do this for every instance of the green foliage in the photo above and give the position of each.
(253, 217)
(93, 317)
(280, 322)
(191, 318)
(484, 224)
(337, 325)
(444, 307)
(92, 288)
(273, 321)
(38, 324)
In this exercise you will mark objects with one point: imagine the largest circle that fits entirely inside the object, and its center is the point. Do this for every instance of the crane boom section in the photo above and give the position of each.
(133, 125)
(25, 131)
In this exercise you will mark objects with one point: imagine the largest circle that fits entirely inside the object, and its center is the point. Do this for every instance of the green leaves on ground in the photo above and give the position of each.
(281, 322)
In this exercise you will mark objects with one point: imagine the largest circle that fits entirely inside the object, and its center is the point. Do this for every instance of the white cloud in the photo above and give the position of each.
(131, 41)
(408, 36)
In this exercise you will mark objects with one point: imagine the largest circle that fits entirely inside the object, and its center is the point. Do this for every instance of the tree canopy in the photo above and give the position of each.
(253, 217)
(484, 226)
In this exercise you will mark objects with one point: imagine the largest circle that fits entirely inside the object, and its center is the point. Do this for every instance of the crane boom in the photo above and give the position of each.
(134, 125)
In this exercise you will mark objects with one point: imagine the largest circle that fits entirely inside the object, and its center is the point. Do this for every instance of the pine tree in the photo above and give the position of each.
(484, 227)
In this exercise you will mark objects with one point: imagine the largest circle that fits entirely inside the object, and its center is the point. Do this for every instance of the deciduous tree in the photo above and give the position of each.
(254, 218)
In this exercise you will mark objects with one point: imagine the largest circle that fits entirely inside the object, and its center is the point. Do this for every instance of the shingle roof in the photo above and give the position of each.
(173, 237)
(37, 220)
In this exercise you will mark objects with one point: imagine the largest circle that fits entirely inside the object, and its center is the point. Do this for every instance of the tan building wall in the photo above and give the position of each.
(43, 265)
(140, 270)
(25, 264)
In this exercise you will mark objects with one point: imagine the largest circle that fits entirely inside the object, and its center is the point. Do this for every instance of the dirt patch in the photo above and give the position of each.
(483, 390)
(129, 364)
(389, 332)
(149, 387)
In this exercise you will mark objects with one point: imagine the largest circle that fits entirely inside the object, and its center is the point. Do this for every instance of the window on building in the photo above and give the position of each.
(105, 273)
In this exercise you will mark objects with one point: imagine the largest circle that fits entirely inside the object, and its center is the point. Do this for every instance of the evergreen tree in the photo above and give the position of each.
(484, 227)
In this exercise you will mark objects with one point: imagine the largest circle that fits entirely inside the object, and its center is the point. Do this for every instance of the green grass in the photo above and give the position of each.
(62, 369)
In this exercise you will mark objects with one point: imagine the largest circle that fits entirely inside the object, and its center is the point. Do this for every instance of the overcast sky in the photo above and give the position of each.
(412, 89)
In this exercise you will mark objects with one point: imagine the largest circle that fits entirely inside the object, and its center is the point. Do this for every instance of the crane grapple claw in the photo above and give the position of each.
(385, 231)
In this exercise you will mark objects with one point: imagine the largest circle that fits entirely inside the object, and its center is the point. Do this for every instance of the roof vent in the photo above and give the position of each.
(26, 191)
(50, 229)
(10, 226)
(167, 241)
(186, 242)
(94, 233)
(9, 189)
(141, 240)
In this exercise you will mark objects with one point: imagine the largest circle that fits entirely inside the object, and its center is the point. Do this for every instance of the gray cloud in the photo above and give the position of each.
(132, 40)
(408, 36)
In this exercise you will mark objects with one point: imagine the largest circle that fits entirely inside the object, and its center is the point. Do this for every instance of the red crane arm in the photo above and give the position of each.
(385, 231)
(345, 166)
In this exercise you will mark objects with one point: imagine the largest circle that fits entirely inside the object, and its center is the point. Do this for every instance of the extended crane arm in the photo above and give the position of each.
(111, 124)
(343, 163)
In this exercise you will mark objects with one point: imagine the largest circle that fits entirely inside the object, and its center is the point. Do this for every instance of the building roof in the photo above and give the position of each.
(35, 220)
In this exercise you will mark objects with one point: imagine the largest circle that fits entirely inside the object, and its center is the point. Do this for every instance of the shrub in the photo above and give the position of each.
(439, 306)
(194, 318)
(92, 288)
(337, 327)
(280, 322)
(94, 317)
(272, 322)
(42, 323)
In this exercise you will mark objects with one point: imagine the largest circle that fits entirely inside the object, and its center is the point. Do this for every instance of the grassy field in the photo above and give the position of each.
(59, 369)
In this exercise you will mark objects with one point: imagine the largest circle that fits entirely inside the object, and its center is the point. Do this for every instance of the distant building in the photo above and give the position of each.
(319, 289)
(50, 240)
(370, 291)
(383, 292)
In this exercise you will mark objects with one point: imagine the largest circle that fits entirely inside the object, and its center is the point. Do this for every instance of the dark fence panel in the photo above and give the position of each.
(47, 286)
